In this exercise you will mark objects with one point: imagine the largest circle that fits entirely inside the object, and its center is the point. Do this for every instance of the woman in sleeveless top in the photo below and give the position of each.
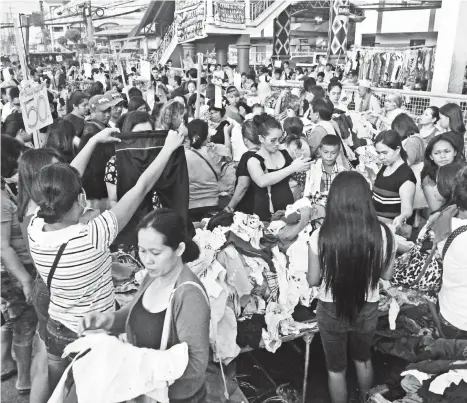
(270, 169)
(171, 300)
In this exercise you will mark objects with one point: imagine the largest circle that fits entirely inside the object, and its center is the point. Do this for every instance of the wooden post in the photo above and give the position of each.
(198, 85)
(20, 47)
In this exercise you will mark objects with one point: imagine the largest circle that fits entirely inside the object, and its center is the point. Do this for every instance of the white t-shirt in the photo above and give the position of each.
(238, 146)
(373, 295)
(453, 294)
(82, 282)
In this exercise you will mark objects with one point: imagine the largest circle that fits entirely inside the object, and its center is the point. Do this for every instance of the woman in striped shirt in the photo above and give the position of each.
(82, 282)
(394, 187)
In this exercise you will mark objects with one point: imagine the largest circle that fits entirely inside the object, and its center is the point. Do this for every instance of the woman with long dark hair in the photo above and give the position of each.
(347, 256)
(442, 150)
(450, 119)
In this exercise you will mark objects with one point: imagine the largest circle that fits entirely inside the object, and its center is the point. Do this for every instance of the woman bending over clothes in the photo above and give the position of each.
(346, 258)
(171, 297)
(81, 281)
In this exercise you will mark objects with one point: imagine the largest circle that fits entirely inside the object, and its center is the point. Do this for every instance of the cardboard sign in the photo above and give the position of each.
(6, 75)
(238, 81)
(102, 79)
(145, 70)
(218, 96)
(87, 70)
(35, 108)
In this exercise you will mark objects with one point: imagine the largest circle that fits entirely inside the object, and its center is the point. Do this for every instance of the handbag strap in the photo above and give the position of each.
(207, 162)
(168, 314)
(55, 264)
(425, 266)
(451, 238)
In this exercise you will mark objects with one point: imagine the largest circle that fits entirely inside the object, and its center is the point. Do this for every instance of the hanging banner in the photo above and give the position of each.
(229, 12)
(146, 70)
(87, 70)
(190, 24)
(35, 108)
(102, 79)
(184, 5)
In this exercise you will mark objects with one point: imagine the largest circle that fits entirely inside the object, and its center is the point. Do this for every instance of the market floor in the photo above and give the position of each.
(286, 366)
(9, 393)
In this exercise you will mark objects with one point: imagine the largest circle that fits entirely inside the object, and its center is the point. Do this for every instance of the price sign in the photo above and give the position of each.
(59, 58)
(35, 108)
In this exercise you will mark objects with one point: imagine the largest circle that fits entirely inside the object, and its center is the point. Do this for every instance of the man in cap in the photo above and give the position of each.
(117, 108)
(100, 107)
(366, 101)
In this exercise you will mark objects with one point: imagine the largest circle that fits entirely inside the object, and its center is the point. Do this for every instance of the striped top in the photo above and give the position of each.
(386, 190)
(82, 282)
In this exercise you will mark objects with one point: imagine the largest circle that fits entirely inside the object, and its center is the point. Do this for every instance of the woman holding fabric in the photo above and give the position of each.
(346, 257)
(171, 306)
(80, 281)
(394, 187)
(270, 169)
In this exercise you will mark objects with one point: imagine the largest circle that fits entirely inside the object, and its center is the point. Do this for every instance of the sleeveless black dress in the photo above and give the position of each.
(281, 195)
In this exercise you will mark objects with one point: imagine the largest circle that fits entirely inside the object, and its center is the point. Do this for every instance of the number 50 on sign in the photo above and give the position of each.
(35, 107)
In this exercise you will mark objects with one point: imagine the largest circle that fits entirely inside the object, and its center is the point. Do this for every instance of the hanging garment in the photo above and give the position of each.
(133, 155)
(223, 325)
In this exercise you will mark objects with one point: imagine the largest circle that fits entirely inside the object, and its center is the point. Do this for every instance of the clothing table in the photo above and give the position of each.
(307, 335)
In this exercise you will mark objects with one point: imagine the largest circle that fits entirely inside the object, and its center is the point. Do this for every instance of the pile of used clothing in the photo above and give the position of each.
(436, 370)
(438, 375)
(255, 276)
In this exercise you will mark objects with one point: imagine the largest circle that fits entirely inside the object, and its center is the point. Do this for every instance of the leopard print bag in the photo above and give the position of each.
(418, 268)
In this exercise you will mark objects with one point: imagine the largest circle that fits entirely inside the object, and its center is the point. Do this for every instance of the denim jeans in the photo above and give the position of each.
(337, 332)
(41, 300)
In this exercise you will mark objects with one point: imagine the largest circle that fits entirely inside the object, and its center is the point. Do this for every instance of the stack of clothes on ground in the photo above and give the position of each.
(436, 370)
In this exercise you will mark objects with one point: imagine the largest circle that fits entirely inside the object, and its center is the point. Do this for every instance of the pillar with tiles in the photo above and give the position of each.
(339, 20)
(281, 40)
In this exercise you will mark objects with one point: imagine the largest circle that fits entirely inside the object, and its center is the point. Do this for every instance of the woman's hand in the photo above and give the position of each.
(174, 140)
(301, 164)
(228, 129)
(398, 222)
(96, 321)
(107, 136)
(27, 290)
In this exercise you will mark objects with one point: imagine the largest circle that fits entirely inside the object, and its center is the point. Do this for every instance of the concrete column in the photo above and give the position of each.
(247, 12)
(222, 53)
(209, 12)
(451, 52)
(281, 36)
(189, 49)
(243, 53)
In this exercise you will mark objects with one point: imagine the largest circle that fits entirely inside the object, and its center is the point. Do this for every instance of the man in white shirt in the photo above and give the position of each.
(13, 105)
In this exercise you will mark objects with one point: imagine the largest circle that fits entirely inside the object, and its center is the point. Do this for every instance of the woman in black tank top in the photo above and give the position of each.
(271, 168)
